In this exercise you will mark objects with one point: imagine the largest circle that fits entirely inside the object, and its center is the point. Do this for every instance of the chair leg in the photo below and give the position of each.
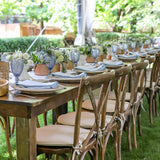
(134, 127)
(139, 121)
(7, 136)
(13, 125)
(37, 122)
(155, 103)
(45, 118)
(153, 106)
(73, 104)
(117, 145)
(129, 133)
(150, 106)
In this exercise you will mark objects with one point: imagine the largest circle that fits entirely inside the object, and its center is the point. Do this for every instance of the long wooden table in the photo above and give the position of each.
(26, 110)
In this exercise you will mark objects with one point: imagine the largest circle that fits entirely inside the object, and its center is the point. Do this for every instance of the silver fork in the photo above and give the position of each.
(17, 93)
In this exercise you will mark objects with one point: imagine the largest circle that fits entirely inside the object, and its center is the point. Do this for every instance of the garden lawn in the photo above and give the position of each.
(148, 144)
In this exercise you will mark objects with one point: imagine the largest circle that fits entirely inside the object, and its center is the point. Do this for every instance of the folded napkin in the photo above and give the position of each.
(113, 63)
(91, 68)
(152, 51)
(66, 75)
(38, 85)
(128, 56)
(142, 53)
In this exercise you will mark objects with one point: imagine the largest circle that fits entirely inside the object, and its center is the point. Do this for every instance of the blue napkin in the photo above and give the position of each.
(140, 54)
(128, 56)
(102, 67)
(65, 75)
(38, 85)
(113, 63)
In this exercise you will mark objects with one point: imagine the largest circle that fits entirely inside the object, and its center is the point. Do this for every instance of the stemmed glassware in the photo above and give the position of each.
(140, 44)
(17, 66)
(75, 55)
(133, 45)
(114, 50)
(125, 47)
(95, 54)
(153, 41)
(148, 42)
(50, 62)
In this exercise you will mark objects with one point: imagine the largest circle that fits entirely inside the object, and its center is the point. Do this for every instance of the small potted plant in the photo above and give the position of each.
(40, 68)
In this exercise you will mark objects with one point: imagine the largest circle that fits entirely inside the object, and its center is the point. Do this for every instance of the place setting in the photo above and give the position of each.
(93, 68)
(32, 87)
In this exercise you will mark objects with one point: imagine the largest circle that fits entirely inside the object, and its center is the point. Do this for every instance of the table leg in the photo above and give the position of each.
(26, 138)
(58, 111)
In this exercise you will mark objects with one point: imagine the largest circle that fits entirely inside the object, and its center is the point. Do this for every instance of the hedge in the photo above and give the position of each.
(109, 36)
(23, 43)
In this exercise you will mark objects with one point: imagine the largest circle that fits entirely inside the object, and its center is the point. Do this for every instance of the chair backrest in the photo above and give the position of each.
(139, 77)
(122, 79)
(155, 69)
(4, 70)
(87, 86)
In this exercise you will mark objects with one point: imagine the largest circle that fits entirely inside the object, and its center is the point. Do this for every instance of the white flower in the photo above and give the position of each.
(41, 57)
(30, 62)
(15, 55)
(60, 59)
(26, 56)
(57, 53)
(9, 57)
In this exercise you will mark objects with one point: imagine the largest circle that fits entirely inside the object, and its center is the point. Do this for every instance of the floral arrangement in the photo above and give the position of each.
(19, 55)
(62, 55)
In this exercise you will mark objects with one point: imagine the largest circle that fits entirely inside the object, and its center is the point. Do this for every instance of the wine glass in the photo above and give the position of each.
(114, 50)
(17, 68)
(95, 54)
(140, 44)
(133, 45)
(125, 47)
(75, 55)
(50, 62)
(153, 41)
(148, 42)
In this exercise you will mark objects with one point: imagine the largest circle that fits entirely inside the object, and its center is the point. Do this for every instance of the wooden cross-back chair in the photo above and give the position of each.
(4, 120)
(151, 87)
(116, 106)
(72, 137)
(139, 84)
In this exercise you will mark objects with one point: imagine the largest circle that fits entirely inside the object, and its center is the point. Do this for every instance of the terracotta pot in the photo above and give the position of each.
(91, 59)
(103, 56)
(70, 65)
(136, 49)
(41, 70)
(56, 68)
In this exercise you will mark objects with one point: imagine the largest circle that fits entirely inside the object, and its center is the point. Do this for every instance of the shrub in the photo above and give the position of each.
(23, 43)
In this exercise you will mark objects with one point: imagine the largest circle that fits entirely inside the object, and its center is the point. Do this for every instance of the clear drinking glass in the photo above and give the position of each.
(125, 47)
(50, 62)
(114, 50)
(133, 45)
(140, 44)
(95, 54)
(148, 42)
(75, 55)
(17, 68)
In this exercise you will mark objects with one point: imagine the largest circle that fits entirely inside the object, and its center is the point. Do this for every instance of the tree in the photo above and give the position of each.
(8, 8)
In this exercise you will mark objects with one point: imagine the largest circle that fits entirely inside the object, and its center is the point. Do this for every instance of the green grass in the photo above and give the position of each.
(148, 143)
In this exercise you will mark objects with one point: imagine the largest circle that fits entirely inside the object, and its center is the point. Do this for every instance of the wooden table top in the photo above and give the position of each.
(20, 106)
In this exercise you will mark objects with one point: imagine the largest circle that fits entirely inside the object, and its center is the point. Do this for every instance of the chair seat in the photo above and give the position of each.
(110, 105)
(58, 135)
(111, 96)
(87, 119)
